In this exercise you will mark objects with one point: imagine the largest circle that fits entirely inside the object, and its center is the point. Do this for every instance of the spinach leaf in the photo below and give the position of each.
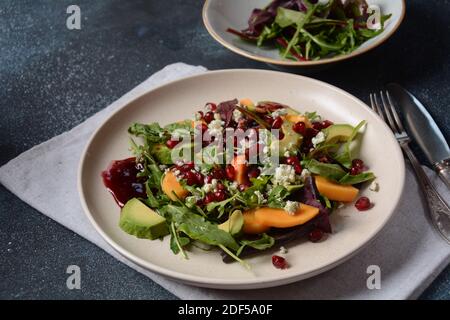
(327, 170)
(197, 228)
(265, 242)
(362, 177)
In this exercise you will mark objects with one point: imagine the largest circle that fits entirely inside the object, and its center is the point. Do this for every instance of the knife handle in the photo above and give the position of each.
(443, 170)
(438, 209)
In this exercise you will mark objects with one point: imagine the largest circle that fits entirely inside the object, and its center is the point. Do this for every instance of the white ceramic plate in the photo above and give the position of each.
(179, 100)
(219, 15)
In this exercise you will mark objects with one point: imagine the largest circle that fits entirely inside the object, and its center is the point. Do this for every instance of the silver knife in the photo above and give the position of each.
(424, 129)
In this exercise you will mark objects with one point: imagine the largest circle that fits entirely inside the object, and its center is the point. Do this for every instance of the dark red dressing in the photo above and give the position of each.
(121, 181)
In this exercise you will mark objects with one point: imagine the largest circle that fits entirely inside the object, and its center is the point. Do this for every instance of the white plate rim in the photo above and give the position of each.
(236, 283)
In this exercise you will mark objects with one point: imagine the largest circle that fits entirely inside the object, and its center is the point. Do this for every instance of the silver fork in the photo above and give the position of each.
(439, 211)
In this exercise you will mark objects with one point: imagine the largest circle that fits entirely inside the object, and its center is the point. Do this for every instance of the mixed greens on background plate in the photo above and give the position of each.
(311, 30)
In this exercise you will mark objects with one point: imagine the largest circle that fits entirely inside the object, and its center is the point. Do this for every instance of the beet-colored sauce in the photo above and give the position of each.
(120, 179)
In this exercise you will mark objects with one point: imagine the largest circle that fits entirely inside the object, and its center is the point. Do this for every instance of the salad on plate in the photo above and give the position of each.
(241, 177)
(305, 30)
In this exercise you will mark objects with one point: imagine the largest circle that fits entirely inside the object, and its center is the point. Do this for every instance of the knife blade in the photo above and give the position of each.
(424, 130)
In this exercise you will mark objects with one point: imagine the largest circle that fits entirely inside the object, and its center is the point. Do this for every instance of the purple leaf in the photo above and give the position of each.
(226, 109)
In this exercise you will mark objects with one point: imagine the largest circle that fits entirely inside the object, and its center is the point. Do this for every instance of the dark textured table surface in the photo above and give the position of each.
(51, 79)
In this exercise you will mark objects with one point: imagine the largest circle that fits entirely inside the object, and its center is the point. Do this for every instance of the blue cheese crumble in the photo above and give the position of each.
(284, 175)
(291, 207)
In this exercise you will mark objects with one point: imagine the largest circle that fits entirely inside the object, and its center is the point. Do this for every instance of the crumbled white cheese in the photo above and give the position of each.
(283, 250)
(319, 138)
(162, 167)
(291, 207)
(237, 115)
(279, 112)
(180, 133)
(374, 186)
(284, 175)
(208, 187)
(177, 173)
(233, 187)
(215, 127)
(305, 173)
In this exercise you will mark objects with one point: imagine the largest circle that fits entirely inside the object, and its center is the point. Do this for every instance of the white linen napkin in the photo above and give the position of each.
(408, 251)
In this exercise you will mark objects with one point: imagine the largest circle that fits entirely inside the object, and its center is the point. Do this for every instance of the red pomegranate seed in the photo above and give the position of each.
(220, 195)
(269, 120)
(187, 166)
(208, 117)
(299, 127)
(230, 172)
(358, 163)
(311, 132)
(220, 186)
(355, 171)
(281, 135)
(212, 106)
(218, 173)
(171, 143)
(254, 173)
(277, 123)
(326, 123)
(190, 178)
(208, 179)
(317, 126)
(198, 178)
(315, 235)
(209, 198)
(363, 204)
(279, 262)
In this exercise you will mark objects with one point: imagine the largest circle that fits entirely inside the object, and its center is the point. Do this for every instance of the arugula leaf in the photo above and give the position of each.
(220, 206)
(197, 228)
(183, 125)
(265, 242)
(277, 196)
(362, 177)
(327, 170)
(153, 133)
(176, 242)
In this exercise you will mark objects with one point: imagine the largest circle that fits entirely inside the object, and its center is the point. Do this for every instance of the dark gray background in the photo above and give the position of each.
(51, 79)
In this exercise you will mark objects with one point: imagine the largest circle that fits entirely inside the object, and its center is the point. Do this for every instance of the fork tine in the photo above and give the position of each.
(395, 113)
(376, 106)
(387, 110)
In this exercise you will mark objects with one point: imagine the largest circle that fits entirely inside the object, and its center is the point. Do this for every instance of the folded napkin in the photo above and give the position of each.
(408, 250)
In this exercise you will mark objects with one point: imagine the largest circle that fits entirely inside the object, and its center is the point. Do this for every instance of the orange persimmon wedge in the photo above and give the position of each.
(170, 184)
(251, 225)
(280, 218)
(240, 168)
(335, 191)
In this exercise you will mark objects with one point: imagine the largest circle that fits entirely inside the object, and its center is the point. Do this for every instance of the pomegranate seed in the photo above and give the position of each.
(208, 179)
(212, 106)
(363, 204)
(279, 262)
(311, 132)
(230, 172)
(254, 173)
(277, 123)
(199, 178)
(269, 120)
(208, 117)
(220, 186)
(317, 126)
(358, 163)
(200, 202)
(187, 166)
(315, 235)
(326, 123)
(299, 127)
(209, 198)
(220, 195)
(281, 135)
(355, 171)
(190, 178)
(171, 143)
(218, 173)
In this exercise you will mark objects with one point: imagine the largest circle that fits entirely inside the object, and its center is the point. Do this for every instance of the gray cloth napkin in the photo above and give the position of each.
(408, 251)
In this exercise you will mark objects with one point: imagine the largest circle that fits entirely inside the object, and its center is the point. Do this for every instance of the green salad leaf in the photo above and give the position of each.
(263, 243)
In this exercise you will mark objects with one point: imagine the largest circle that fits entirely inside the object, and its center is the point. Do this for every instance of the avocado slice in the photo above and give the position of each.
(139, 220)
(338, 133)
(234, 224)
(291, 141)
(162, 153)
